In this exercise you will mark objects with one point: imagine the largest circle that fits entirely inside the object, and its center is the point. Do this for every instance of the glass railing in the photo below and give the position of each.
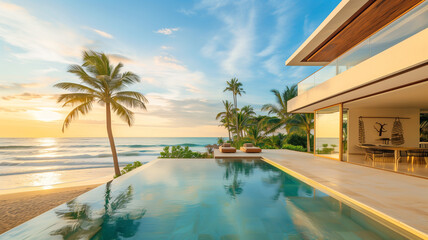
(406, 26)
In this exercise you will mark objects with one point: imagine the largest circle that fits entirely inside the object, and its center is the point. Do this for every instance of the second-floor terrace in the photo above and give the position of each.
(398, 45)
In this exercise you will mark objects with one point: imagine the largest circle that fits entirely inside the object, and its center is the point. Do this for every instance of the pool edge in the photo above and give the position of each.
(382, 218)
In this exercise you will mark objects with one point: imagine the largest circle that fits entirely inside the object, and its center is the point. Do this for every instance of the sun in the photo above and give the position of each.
(46, 115)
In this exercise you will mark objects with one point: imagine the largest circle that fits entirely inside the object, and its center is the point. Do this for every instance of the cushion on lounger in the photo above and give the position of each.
(227, 149)
(226, 145)
(251, 149)
(248, 145)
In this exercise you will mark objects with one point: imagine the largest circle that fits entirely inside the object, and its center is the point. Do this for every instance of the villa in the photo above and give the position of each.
(371, 93)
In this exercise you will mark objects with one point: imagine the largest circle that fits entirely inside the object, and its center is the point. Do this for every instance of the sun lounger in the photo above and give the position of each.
(227, 148)
(250, 148)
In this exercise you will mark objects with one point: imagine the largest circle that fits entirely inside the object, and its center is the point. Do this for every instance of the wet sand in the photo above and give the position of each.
(17, 208)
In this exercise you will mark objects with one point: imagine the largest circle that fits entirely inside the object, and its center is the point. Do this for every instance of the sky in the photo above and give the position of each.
(184, 52)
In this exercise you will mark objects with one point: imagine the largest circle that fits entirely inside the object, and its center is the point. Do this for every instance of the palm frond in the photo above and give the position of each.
(82, 108)
(77, 100)
(124, 113)
(97, 63)
(129, 78)
(76, 87)
(76, 97)
(116, 70)
(133, 94)
(84, 76)
(130, 102)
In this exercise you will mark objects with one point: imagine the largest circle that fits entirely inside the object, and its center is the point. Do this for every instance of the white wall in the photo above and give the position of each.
(410, 126)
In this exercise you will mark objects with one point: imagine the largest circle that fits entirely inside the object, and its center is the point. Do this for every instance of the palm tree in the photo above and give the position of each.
(305, 122)
(235, 87)
(244, 119)
(280, 109)
(277, 141)
(113, 220)
(255, 133)
(101, 83)
(270, 123)
(226, 116)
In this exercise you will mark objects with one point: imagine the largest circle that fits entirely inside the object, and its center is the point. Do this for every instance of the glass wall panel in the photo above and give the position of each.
(345, 135)
(328, 132)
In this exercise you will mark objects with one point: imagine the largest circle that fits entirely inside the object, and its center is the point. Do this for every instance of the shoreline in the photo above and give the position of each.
(66, 179)
(14, 206)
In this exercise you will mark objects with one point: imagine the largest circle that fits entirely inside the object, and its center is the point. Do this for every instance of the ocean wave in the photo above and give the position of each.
(82, 146)
(19, 147)
(57, 169)
(161, 145)
(83, 156)
(53, 163)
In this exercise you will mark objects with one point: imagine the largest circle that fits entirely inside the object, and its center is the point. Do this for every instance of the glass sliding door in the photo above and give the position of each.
(344, 134)
(329, 132)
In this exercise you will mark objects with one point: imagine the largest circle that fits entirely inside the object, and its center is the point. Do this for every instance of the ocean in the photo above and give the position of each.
(34, 163)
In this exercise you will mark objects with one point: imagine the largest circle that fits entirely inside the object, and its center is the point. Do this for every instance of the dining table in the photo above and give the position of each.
(397, 150)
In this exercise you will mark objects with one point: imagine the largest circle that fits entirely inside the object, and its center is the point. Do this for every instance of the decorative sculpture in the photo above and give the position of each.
(381, 128)
(397, 137)
(361, 134)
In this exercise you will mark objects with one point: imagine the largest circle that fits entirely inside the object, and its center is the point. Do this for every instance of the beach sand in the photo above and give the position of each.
(14, 208)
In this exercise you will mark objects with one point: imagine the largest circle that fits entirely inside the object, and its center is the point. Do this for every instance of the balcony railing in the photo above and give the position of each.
(406, 26)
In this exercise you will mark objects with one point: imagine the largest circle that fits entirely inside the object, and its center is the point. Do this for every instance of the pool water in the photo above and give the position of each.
(203, 199)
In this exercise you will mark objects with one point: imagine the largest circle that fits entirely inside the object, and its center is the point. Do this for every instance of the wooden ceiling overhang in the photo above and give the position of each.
(370, 18)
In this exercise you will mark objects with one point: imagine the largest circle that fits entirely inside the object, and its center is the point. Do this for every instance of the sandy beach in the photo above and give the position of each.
(18, 208)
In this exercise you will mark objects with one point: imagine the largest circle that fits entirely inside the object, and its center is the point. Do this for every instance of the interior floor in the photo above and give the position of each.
(407, 165)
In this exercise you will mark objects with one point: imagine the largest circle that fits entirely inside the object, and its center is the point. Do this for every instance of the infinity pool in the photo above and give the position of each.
(203, 199)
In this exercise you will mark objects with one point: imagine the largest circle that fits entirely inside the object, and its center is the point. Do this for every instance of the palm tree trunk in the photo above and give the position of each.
(228, 131)
(308, 141)
(235, 101)
(111, 140)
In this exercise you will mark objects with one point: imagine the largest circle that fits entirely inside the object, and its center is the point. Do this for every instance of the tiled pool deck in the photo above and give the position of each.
(386, 196)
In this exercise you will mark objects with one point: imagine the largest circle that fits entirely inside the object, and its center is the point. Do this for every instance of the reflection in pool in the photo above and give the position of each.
(203, 199)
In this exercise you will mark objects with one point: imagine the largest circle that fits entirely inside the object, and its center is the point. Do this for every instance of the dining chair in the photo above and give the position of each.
(417, 155)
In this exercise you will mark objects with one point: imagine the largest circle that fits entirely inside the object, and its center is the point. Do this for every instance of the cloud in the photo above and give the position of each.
(192, 112)
(169, 62)
(36, 38)
(274, 65)
(15, 86)
(46, 71)
(28, 96)
(101, 33)
(167, 31)
(36, 82)
(166, 47)
(233, 44)
(308, 26)
(283, 17)
(166, 75)
(213, 4)
(187, 12)
(14, 110)
(192, 88)
(119, 58)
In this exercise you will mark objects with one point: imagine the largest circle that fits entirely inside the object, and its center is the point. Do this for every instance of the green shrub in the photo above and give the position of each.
(296, 140)
(294, 148)
(130, 167)
(237, 144)
(180, 152)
